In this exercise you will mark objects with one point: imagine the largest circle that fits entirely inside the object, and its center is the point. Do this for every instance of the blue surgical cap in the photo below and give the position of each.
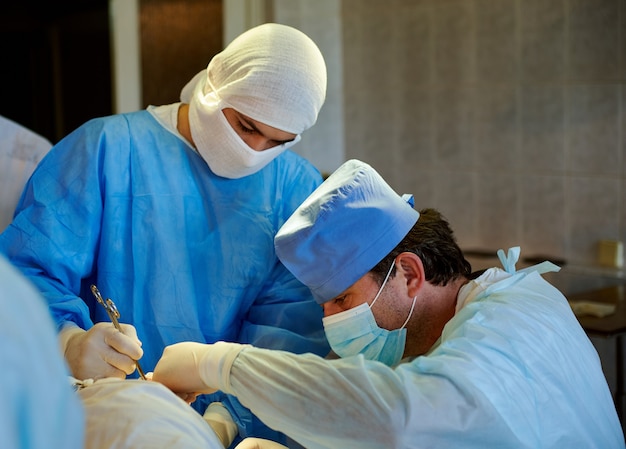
(343, 229)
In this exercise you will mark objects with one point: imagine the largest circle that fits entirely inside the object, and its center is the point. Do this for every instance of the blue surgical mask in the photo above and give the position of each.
(355, 331)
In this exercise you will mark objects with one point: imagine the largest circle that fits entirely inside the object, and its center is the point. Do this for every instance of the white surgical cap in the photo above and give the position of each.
(272, 73)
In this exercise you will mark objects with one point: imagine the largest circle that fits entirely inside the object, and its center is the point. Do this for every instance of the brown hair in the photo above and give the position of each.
(432, 239)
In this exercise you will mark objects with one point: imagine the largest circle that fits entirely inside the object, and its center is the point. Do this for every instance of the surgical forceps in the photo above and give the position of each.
(114, 314)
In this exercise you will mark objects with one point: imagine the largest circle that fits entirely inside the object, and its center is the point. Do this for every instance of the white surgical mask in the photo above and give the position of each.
(224, 151)
(355, 331)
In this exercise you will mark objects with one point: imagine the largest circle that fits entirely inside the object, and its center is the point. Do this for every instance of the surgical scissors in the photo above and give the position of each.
(114, 315)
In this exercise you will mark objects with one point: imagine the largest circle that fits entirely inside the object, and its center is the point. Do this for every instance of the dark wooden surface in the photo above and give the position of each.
(611, 324)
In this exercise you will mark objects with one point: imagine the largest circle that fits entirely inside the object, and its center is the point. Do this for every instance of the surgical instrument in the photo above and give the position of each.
(114, 315)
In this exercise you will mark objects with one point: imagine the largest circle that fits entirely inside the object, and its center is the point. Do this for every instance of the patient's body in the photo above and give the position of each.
(138, 414)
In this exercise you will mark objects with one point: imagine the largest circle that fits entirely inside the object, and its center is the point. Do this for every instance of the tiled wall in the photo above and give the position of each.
(320, 20)
(507, 115)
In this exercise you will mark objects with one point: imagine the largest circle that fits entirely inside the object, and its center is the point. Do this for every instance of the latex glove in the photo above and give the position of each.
(187, 397)
(102, 351)
(259, 443)
(221, 422)
(179, 368)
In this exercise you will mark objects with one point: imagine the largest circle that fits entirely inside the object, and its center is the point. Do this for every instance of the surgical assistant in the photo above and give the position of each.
(172, 214)
(492, 360)
(485, 384)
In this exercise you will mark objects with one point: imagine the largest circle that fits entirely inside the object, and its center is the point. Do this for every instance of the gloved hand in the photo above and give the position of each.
(221, 422)
(102, 351)
(259, 443)
(179, 368)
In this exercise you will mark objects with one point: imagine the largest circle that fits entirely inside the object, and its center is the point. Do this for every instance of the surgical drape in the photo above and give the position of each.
(32, 369)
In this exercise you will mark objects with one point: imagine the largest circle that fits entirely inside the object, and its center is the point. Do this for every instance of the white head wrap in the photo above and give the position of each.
(272, 73)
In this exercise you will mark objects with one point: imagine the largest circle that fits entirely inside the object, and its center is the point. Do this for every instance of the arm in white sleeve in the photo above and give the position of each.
(215, 362)
(317, 402)
(191, 367)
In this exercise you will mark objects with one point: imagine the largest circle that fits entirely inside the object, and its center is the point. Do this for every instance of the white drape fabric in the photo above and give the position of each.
(20, 152)
(38, 409)
(135, 414)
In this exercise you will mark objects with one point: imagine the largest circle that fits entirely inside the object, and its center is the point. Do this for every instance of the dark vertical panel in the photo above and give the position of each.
(178, 39)
(56, 70)
(85, 66)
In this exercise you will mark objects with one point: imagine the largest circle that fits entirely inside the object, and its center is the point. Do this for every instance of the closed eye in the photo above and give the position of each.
(244, 128)
(247, 126)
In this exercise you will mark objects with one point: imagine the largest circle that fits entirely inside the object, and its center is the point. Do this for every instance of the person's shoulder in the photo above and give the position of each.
(113, 120)
(296, 178)
(295, 166)
(115, 125)
(290, 156)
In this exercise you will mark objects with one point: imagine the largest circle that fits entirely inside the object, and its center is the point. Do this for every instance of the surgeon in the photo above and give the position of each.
(171, 212)
(431, 354)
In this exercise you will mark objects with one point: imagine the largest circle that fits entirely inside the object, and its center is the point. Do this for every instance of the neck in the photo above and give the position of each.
(183, 123)
(437, 306)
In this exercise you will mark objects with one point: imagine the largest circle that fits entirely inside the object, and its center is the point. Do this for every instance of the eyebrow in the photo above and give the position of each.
(252, 125)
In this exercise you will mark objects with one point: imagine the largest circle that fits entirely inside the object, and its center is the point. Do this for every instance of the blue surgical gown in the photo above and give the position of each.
(185, 255)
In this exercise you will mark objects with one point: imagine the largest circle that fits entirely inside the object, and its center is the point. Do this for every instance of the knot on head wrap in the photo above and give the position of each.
(272, 73)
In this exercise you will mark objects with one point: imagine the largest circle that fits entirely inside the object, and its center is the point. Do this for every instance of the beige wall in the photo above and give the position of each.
(507, 115)
(321, 20)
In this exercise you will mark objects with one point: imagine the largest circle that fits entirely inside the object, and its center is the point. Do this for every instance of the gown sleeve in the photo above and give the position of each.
(55, 231)
(317, 402)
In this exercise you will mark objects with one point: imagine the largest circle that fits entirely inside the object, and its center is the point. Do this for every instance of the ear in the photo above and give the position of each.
(411, 266)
